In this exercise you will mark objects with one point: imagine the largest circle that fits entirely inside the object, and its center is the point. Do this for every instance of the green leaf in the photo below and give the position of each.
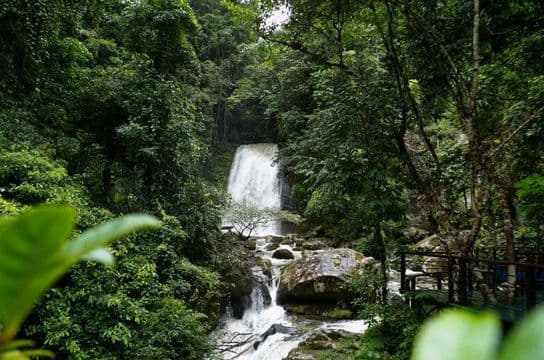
(26, 354)
(97, 237)
(15, 344)
(29, 243)
(101, 255)
(458, 334)
(34, 253)
(526, 341)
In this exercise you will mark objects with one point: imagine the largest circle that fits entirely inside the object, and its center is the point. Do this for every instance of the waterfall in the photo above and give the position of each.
(255, 180)
(266, 331)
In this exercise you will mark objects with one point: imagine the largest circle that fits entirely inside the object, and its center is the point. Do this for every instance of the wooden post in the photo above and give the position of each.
(462, 281)
(402, 272)
(439, 281)
(530, 287)
(494, 272)
(450, 279)
(469, 277)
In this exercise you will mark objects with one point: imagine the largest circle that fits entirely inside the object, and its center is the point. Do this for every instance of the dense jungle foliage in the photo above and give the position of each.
(110, 107)
(390, 115)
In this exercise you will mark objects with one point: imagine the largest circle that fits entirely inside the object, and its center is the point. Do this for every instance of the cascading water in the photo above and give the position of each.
(254, 180)
(265, 331)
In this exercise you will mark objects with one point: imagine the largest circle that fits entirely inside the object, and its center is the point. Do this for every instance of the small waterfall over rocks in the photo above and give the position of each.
(265, 331)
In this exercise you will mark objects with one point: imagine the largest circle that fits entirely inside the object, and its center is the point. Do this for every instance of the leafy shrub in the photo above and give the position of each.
(173, 332)
(364, 290)
(391, 336)
(531, 192)
(123, 311)
(29, 177)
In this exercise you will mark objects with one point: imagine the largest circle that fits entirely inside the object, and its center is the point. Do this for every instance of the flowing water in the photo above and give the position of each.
(265, 331)
(254, 179)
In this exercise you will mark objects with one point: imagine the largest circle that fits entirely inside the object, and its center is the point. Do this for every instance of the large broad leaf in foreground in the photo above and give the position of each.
(34, 253)
(454, 335)
(526, 340)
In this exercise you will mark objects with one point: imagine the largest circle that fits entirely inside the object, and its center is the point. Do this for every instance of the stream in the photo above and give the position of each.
(266, 330)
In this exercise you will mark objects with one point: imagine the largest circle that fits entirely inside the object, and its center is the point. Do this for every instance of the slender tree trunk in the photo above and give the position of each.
(508, 228)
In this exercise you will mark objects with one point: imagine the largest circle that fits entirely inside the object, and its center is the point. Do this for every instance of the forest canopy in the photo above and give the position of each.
(393, 118)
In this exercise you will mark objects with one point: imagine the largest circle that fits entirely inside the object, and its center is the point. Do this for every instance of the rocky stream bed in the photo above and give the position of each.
(291, 312)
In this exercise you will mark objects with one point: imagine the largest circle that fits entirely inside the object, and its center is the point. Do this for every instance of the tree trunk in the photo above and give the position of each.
(508, 228)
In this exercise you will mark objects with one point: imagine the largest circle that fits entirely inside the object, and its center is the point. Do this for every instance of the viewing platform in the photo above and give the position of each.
(432, 280)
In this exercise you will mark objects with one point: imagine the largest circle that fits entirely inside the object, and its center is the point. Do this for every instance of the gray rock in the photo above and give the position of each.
(415, 233)
(272, 247)
(266, 266)
(315, 244)
(284, 254)
(428, 244)
(274, 239)
(318, 276)
(273, 329)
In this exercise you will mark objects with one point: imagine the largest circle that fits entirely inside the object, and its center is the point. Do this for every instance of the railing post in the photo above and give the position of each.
(530, 300)
(462, 281)
(494, 273)
(402, 272)
(469, 277)
(450, 279)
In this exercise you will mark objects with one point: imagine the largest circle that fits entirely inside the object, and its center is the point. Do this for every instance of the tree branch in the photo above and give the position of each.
(316, 57)
(514, 133)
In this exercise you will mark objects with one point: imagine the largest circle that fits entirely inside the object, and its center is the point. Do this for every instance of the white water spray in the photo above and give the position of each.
(254, 179)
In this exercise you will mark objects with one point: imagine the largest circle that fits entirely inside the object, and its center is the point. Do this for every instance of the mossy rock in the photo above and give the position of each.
(320, 311)
(272, 247)
(266, 265)
(274, 239)
(324, 341)
(251, 244)
(315, 244)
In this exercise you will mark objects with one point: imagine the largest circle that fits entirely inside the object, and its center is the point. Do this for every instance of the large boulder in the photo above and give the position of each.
(318, 276)
(266, 266)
